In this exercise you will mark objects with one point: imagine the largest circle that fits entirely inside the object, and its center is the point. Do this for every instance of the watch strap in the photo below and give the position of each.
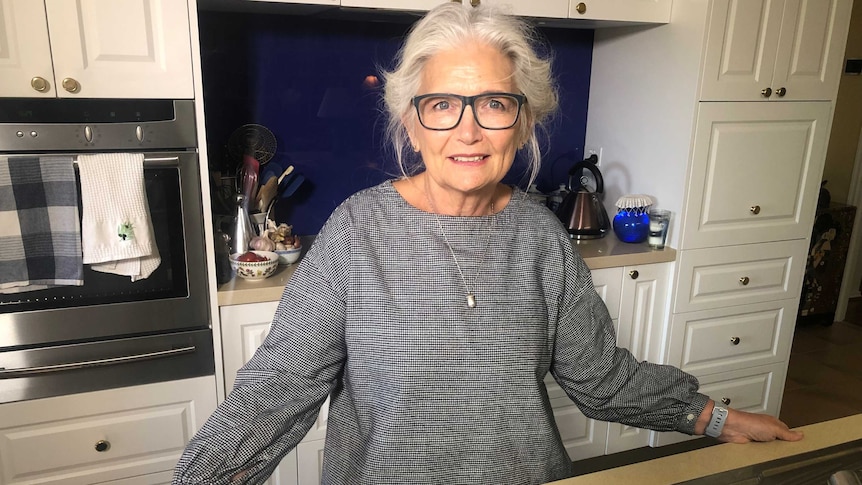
(716, 423)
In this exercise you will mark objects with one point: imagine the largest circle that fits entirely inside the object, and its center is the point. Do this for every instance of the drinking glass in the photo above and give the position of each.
(659, 220)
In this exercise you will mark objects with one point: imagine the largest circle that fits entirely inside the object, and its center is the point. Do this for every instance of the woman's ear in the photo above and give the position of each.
(409, 126)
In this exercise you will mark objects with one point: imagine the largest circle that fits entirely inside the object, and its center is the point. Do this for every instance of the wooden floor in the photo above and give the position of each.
(824, 378)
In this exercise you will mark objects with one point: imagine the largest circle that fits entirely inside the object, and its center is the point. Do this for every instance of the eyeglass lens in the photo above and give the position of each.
(492, 111)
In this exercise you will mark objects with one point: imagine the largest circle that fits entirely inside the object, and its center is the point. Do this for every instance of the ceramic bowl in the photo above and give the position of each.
(255, 270)
(288, 256)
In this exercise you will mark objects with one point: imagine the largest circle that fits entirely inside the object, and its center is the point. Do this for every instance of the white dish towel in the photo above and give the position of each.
(116, 229)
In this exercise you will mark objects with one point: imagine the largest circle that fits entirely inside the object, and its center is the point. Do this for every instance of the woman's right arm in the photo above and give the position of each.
(278, 393)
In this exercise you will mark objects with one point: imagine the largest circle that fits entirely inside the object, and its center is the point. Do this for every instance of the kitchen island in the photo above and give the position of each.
(716, 459)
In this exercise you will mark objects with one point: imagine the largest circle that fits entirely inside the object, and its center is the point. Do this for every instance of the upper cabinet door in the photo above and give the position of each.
(755, 172)
(417, 5)
(121, 48)
(811, 48)
(635, 11)
(527, 8)
(558, 9)
(759, 50)
(25, 51)
(740, 49)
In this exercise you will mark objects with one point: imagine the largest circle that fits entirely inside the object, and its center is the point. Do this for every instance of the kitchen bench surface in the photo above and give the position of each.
(720, 458)
(607, 252)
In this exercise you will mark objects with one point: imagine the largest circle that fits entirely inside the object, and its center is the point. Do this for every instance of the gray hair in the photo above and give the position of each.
(446, 27)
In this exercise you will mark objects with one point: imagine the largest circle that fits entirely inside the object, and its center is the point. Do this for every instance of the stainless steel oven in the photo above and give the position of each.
(112, 332)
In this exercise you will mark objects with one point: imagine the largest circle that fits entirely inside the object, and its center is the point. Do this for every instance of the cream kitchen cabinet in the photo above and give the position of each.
(741, 178)
(635, 11)
(415, 5)
(131, 435)
(547, 8)
(755, 172)
(95, 49)
(775, 50)
(244, 328)
(636, 297)
(642, 330)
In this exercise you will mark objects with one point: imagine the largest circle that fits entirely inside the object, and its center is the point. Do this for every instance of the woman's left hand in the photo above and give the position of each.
(743, 427)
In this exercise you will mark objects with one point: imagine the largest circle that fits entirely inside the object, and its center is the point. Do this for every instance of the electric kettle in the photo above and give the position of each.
(582, 211)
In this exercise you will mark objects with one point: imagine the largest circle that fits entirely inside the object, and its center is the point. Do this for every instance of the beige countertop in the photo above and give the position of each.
(610, 252)
(606, 252)
(724, 457)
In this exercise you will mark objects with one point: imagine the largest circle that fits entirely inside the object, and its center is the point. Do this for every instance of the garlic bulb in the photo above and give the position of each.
(261, 243)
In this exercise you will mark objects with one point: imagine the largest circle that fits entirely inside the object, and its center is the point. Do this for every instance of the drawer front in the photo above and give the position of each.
(736, 275)
(101, 436)
(726, 339)
(756, 390)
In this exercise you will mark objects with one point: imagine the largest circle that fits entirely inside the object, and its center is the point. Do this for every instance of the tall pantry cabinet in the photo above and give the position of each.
(724, 115)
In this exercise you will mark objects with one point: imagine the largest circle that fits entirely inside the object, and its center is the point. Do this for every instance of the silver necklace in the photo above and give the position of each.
(471, 297)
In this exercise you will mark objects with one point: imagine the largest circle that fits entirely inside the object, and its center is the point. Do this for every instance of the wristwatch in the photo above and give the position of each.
(716, 423)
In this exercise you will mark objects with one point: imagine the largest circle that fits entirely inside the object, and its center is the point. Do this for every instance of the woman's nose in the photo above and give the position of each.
(469, 130)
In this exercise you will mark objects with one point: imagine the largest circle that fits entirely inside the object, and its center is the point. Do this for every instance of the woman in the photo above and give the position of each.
(430, 308)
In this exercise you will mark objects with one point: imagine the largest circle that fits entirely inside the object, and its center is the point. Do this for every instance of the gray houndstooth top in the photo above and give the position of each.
(424, 389)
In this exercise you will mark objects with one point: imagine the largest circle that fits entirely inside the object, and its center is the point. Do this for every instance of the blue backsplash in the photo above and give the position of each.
(306, 79)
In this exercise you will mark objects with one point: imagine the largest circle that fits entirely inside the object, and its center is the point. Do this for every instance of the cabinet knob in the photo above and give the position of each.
(725, 401)
(744, 280)
(40, 84)
(766, 92)
(781, 91)
(755, 209)
(103, 445)
(634, 274)
(475, 3)
(735, 340)
(581, 8)
(71, 85)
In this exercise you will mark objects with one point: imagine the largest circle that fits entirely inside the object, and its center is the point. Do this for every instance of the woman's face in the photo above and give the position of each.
(467, 158)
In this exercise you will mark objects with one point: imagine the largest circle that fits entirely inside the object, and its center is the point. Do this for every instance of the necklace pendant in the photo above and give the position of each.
(471, 300)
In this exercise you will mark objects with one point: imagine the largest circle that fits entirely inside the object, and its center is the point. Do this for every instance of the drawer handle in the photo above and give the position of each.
(40, 84)
(725, 401)
(71, 85)
(755, 209)
(30, 371)
(781, 92)
(103, 445)
(735, 340)
(634, 274)
(766, 92)
(744, 280)
(581, 8)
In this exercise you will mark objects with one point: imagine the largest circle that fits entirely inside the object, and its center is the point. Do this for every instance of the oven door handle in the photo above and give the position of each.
(152, 162)
(30, 371)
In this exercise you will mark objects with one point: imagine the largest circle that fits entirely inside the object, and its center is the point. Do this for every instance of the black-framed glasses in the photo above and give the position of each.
(492, 111)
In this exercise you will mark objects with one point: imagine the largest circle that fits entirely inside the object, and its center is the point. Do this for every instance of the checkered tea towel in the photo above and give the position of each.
(116, 228)
(40, 234)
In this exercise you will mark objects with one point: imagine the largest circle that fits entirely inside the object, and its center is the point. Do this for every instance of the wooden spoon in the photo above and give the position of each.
(266, 194)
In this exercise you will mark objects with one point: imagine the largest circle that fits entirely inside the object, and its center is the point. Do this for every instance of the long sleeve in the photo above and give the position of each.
(278, 393)
(607, 382)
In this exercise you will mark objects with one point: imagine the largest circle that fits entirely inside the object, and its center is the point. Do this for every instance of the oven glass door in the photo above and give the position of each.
(109, 305)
